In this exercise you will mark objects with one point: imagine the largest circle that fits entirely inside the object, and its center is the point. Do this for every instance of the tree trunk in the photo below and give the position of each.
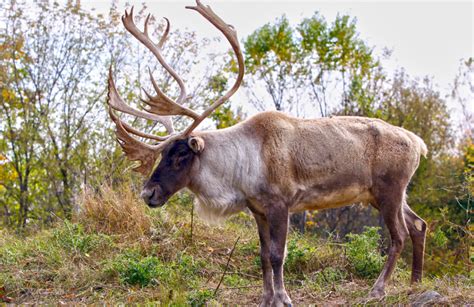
(65, 197)
(7, 215)
(23, 216)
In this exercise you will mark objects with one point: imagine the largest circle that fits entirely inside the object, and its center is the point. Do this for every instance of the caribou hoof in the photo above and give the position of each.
(377, 293)
(281, 299)
(267, 300)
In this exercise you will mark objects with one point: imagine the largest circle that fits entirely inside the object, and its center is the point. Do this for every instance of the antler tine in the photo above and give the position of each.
(163, 105)
(143, 37)
(133, 148)
(132, 130)
(115, 101)
(165, 34)
(231, 35)
(136, 150)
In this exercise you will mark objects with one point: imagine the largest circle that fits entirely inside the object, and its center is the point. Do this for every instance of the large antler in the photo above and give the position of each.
(161, 107)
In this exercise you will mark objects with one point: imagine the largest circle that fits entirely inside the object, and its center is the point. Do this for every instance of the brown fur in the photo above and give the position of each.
(334, 154)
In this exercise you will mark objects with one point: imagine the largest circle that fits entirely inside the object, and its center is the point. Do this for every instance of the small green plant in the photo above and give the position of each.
(200, 297)
(363, 253)
(72, 237)
(330, 275)
(234, 280)
(326, 278)
(133, 269)
(9, 254)
(186, 265)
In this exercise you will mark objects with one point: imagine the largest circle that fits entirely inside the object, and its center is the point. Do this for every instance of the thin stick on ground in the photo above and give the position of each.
(226, 267)
(192, 220)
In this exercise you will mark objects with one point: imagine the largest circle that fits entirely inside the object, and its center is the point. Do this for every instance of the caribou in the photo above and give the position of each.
(272, 165)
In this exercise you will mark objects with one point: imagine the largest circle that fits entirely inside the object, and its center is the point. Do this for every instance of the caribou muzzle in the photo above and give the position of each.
(153, 197)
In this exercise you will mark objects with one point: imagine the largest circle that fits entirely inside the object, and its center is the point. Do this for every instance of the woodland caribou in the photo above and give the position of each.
(273, 164)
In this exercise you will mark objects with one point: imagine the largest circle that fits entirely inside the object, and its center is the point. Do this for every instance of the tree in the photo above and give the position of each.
(463, 93)
(337, 65)
(53, 88)
(20, 120)
(223, 116)
(55, 131)
(271, 55)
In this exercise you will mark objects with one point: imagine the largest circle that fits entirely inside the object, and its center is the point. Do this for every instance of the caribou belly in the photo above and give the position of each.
(317, 199)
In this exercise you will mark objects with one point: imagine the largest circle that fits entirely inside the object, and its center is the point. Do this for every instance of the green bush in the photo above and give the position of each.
(299, 254)
(186, 265)
(363, 253)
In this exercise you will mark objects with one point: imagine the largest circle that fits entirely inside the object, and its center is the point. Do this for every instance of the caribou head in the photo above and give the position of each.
(178, 150)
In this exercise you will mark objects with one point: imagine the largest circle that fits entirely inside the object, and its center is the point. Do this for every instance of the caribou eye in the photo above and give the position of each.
(178, 161)
(182, 154)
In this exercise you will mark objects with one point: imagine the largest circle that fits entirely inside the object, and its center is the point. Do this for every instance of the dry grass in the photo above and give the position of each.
(114, 212)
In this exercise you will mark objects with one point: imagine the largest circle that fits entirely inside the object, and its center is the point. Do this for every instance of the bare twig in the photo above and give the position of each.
(226, 266)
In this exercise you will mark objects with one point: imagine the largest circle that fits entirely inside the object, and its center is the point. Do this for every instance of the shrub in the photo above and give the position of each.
(439, 238)
(234, 280)
(364, 254)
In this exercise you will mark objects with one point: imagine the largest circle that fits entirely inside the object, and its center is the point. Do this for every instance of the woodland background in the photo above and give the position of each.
(56, 140)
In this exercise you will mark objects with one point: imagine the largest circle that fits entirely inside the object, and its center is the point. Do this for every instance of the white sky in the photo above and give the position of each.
(427, 37)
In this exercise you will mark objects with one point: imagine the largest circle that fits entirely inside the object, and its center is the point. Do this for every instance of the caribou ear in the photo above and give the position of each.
(196, 143)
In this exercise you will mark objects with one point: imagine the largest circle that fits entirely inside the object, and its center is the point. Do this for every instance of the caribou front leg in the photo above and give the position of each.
(264, 235)
(277, 217)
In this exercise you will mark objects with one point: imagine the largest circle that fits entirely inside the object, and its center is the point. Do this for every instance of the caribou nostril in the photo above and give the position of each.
(153, 192)
(147, 195)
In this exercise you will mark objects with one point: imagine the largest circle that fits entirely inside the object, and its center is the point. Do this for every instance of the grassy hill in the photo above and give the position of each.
(118, 251)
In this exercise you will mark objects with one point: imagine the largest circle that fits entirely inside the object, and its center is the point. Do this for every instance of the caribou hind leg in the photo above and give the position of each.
(417, 229)
(389, 201)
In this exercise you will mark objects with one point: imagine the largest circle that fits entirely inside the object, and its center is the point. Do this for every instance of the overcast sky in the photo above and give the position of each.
(427, 37)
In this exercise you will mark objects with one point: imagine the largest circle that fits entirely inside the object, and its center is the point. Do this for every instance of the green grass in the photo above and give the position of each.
(88, 263)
